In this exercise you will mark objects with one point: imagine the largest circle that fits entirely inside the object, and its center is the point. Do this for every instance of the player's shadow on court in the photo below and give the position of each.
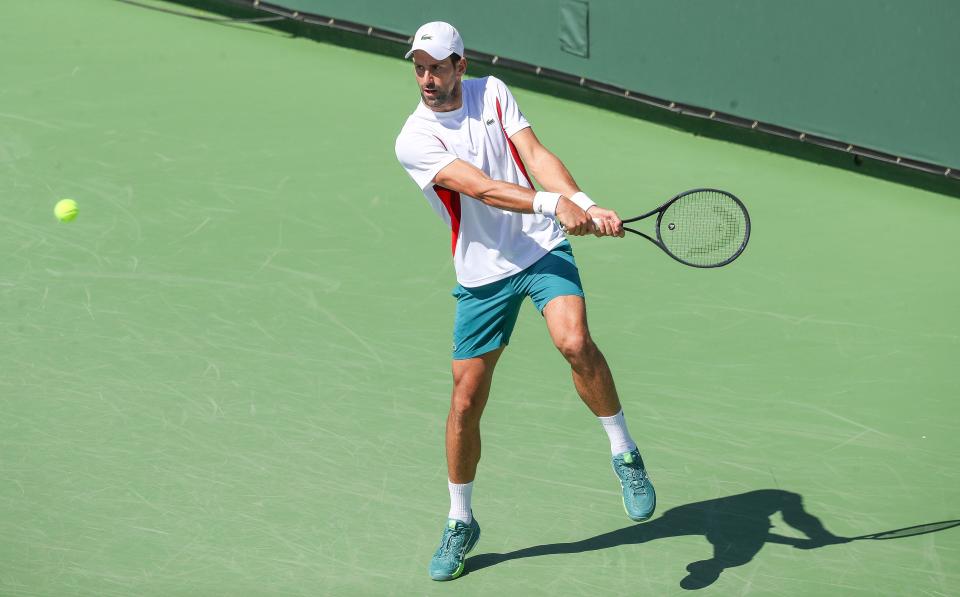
(737, 526)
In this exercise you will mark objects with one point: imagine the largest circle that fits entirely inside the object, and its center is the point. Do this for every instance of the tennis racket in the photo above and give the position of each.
(700, 228)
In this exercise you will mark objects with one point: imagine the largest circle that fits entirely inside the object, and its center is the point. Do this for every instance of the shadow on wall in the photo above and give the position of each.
(738, 526)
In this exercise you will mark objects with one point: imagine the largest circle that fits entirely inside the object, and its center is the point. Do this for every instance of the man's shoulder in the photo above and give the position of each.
(414, 125)
(484, 85)
(414, 136)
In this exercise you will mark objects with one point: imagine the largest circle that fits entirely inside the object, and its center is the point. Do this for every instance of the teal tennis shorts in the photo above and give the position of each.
(486, 314)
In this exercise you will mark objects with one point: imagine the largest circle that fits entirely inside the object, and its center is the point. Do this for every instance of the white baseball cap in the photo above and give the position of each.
(438, 39)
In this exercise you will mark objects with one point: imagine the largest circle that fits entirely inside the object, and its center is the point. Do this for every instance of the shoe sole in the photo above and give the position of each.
(459, 571)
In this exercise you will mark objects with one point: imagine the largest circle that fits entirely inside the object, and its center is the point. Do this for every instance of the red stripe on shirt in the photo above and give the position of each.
(451, 200)
(513, 148)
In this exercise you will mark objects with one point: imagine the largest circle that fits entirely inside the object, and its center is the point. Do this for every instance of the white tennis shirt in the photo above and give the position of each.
(489, 244)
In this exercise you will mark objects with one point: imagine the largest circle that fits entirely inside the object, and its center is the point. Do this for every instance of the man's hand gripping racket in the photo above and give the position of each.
(700, 228)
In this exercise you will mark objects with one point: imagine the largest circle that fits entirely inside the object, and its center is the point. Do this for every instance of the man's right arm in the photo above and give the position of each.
(467, 179)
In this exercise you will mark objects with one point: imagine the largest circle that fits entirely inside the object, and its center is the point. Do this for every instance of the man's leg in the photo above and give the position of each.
(482, 325)
(471, 389)
(567, 322)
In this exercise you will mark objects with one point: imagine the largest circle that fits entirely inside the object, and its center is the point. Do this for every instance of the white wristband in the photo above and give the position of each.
(546, 203)
(582, 200)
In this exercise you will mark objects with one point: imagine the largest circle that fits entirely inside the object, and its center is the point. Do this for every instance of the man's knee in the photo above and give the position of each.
(466, 404)
(469, 384)
(577, 347)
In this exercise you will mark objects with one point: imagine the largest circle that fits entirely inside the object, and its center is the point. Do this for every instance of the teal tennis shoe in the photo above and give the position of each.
(457, 541)
(639, 498)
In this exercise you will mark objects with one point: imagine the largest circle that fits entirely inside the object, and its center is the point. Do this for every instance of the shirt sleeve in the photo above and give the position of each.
(512, 118)
(422, 156)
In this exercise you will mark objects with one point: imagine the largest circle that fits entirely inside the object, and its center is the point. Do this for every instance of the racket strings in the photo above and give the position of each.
(704, 228)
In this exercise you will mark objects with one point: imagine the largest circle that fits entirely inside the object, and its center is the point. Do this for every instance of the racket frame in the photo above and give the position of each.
(663, 208)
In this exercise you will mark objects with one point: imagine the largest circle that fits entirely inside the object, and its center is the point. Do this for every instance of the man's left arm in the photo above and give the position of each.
(554, 177)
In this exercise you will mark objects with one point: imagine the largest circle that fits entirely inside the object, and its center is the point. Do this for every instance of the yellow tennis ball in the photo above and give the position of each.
(65, 210)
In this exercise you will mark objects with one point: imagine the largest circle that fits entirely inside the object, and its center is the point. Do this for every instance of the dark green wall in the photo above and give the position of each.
(882, 74)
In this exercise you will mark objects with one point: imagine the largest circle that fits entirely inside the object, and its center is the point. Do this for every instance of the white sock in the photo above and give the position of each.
(616, 428)
(460, 501)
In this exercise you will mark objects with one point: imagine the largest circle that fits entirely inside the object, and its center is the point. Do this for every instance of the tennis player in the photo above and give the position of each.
(465, 146)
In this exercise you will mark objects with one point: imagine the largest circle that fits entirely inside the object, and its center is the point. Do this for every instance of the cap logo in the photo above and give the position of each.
(426, 36)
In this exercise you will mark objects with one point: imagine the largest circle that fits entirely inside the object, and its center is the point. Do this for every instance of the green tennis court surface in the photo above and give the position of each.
(229, 376)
